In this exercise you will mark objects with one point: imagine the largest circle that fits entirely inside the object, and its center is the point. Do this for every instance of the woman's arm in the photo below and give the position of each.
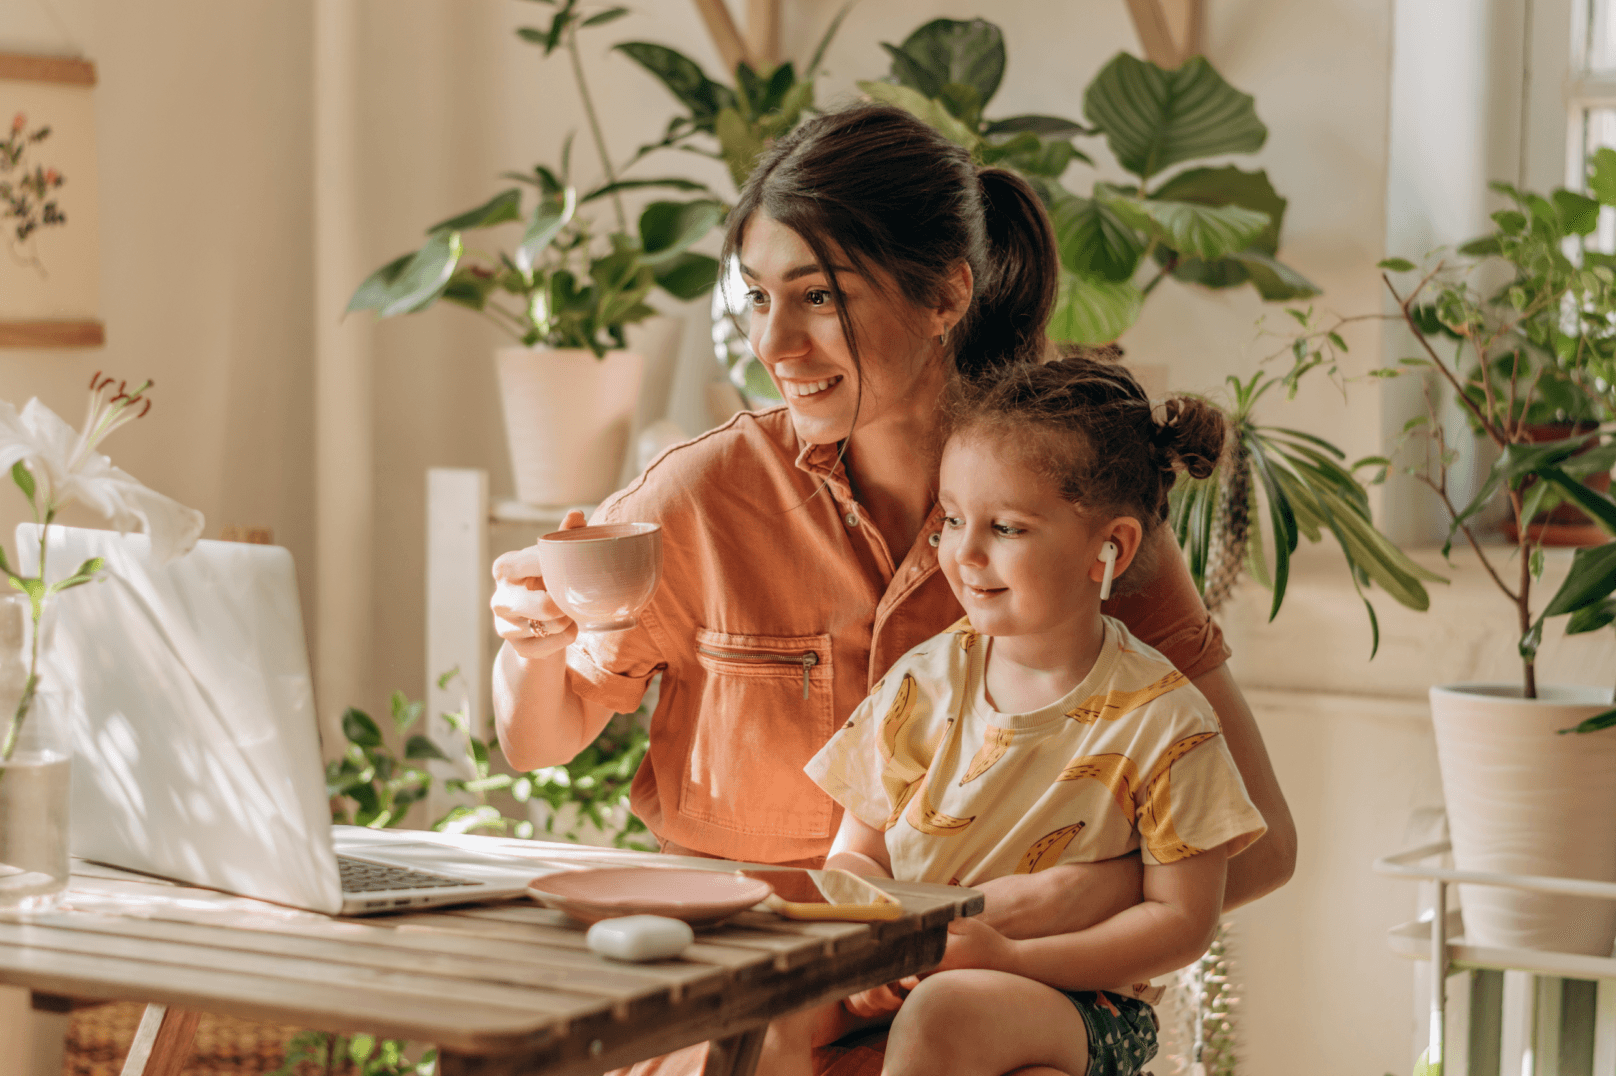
(1170, 928)
(1269, 863)
(541, 721)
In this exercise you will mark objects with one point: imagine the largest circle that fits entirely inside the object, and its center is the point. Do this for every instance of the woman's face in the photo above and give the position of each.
(796, 333)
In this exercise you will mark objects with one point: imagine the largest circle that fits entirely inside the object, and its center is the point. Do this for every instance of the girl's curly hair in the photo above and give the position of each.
(1087, 426)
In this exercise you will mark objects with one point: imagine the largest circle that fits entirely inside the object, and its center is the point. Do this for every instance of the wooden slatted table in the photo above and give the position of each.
(502, 989)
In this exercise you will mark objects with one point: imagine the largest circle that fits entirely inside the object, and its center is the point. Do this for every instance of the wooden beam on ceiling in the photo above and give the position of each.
(763, 31)
(726, 38)
(1170, 31)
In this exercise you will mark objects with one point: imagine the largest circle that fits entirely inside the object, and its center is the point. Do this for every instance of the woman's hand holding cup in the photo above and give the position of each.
(525, 615)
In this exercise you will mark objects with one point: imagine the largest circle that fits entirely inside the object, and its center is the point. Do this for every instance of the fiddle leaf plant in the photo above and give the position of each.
(1218, 227)
(564, 284)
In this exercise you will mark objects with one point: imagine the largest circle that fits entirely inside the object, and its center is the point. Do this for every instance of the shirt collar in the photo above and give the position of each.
(825, 463)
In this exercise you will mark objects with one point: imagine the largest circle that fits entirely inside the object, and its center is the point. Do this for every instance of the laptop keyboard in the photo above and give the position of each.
(364, 876)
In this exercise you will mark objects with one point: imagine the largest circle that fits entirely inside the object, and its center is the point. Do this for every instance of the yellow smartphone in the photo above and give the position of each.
(831, 894)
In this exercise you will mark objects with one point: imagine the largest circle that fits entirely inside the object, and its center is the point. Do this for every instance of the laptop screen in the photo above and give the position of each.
(197, 752)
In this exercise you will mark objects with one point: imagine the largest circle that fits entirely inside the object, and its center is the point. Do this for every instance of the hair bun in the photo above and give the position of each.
(1192, 433)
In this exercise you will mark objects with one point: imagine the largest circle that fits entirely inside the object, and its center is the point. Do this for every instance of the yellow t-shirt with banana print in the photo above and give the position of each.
(1131, 758)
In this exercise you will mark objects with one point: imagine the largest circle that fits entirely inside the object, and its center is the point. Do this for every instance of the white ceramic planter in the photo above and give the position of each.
(1523, 799)
(568, 416)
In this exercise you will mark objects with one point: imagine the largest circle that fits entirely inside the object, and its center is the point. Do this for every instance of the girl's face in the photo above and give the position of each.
(797, 335)
(1017, 554)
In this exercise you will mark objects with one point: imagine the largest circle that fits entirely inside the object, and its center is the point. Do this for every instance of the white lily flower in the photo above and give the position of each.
(66, 467)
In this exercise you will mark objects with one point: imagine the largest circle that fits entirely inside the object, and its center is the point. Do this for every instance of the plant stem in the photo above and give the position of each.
(1524, 603)
(1172, 263)
(31, 685)
(594, 127)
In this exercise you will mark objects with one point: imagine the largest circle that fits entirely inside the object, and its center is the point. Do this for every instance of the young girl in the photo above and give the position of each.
(1037, 731)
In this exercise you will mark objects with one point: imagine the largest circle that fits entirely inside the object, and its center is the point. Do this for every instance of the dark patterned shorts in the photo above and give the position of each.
(1122, 1031)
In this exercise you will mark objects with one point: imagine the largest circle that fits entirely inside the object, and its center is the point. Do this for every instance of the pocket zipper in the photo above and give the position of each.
(807, 659)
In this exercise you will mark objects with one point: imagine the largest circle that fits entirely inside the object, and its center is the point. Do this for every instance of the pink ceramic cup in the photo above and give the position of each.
(602, 576)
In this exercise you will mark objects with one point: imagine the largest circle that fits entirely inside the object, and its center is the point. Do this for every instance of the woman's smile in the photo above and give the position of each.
(801, 390)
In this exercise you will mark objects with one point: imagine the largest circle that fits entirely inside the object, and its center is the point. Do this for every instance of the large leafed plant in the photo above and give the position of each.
(1214, 226)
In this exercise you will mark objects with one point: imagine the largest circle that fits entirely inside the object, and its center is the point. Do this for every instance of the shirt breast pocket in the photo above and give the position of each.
(766, 707)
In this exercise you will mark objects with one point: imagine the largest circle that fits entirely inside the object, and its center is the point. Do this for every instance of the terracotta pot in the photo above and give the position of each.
(1565, 524)
(568, 416)
(1524, 799)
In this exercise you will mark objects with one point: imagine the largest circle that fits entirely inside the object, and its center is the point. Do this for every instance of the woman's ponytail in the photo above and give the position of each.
(1018, 279)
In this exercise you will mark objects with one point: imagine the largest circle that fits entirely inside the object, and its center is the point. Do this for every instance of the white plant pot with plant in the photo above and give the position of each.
(564, 294)
(1528, 770)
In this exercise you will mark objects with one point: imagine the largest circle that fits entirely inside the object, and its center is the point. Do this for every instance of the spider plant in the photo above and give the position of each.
(1308, 490)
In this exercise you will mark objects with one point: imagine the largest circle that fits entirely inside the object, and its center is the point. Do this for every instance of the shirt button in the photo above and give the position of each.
(852, 519)
(935, 538)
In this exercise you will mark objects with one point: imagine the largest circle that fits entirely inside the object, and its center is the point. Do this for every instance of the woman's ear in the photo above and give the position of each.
(956, 297)
(1126, 534)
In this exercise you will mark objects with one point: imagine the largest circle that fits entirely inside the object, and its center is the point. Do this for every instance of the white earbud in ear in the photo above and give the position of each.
(1108, 553)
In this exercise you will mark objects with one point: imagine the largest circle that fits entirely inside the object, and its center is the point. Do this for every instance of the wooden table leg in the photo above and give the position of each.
(736, 1055)
(162, 1043)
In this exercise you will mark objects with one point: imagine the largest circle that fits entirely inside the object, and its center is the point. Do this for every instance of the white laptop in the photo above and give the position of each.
(196, 748)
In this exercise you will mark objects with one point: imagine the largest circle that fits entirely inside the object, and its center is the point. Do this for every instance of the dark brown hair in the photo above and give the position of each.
(890, 192)
(1088, 427)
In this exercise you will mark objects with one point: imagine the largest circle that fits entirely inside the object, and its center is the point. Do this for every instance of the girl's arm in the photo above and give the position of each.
(1171, 928)
(860, 849)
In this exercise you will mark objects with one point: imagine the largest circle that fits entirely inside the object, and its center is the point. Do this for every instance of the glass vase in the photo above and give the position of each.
(35, 755)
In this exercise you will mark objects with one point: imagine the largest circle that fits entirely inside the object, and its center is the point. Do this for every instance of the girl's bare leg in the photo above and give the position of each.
(788, 1046)
(973, 1022)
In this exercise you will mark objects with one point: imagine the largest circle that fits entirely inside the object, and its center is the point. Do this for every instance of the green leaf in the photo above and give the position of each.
(360, 729)
(1591, 579)
(667, 229)
(424, 277)
(405, 712)
(1602, 175)
(1596, 723)
(1598, 505)
(1093, 241)
(923, 108)
(611, 14)
(687, 276)
(24, 478)
(1579, 214)
(1089, 311)
(683, 78)
(418, 746)
(1592, 617)
(1205, 231)
(1396, 265)
(85, 573)
(376, 290)
(549, 217)
(501, 208)
(1231, 186)
(948, 50)
(740, 143)
(666, 183)
(1153, 118)
(1045, 126)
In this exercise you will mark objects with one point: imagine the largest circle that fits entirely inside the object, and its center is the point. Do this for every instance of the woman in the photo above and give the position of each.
(799, 543)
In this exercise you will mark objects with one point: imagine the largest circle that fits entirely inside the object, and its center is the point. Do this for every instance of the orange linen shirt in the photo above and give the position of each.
(780, 607)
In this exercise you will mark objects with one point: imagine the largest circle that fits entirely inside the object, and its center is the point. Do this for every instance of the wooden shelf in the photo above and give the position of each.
(75, 333)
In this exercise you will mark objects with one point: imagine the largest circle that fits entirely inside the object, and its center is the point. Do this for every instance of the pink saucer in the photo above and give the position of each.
(700, 898)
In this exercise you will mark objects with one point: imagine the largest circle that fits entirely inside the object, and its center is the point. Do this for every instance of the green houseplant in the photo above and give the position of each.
(564, 291)
(1515, 319)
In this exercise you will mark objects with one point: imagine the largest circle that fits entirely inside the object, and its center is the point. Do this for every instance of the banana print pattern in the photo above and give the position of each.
(995, 743)
(967, 634)
(1047, 850)
(1117, 773)
(1156, 824)
(931, 822)
(1115, 704)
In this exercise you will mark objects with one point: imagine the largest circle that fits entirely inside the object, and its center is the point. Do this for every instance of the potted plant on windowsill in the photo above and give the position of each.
(1521, 798)
(564, 293)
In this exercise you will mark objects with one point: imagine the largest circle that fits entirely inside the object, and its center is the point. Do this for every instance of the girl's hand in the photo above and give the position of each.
(974, 944)
(879, 1001)
(525, 615)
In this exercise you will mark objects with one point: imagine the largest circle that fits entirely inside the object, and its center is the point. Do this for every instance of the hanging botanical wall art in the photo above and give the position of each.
(49, 251)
